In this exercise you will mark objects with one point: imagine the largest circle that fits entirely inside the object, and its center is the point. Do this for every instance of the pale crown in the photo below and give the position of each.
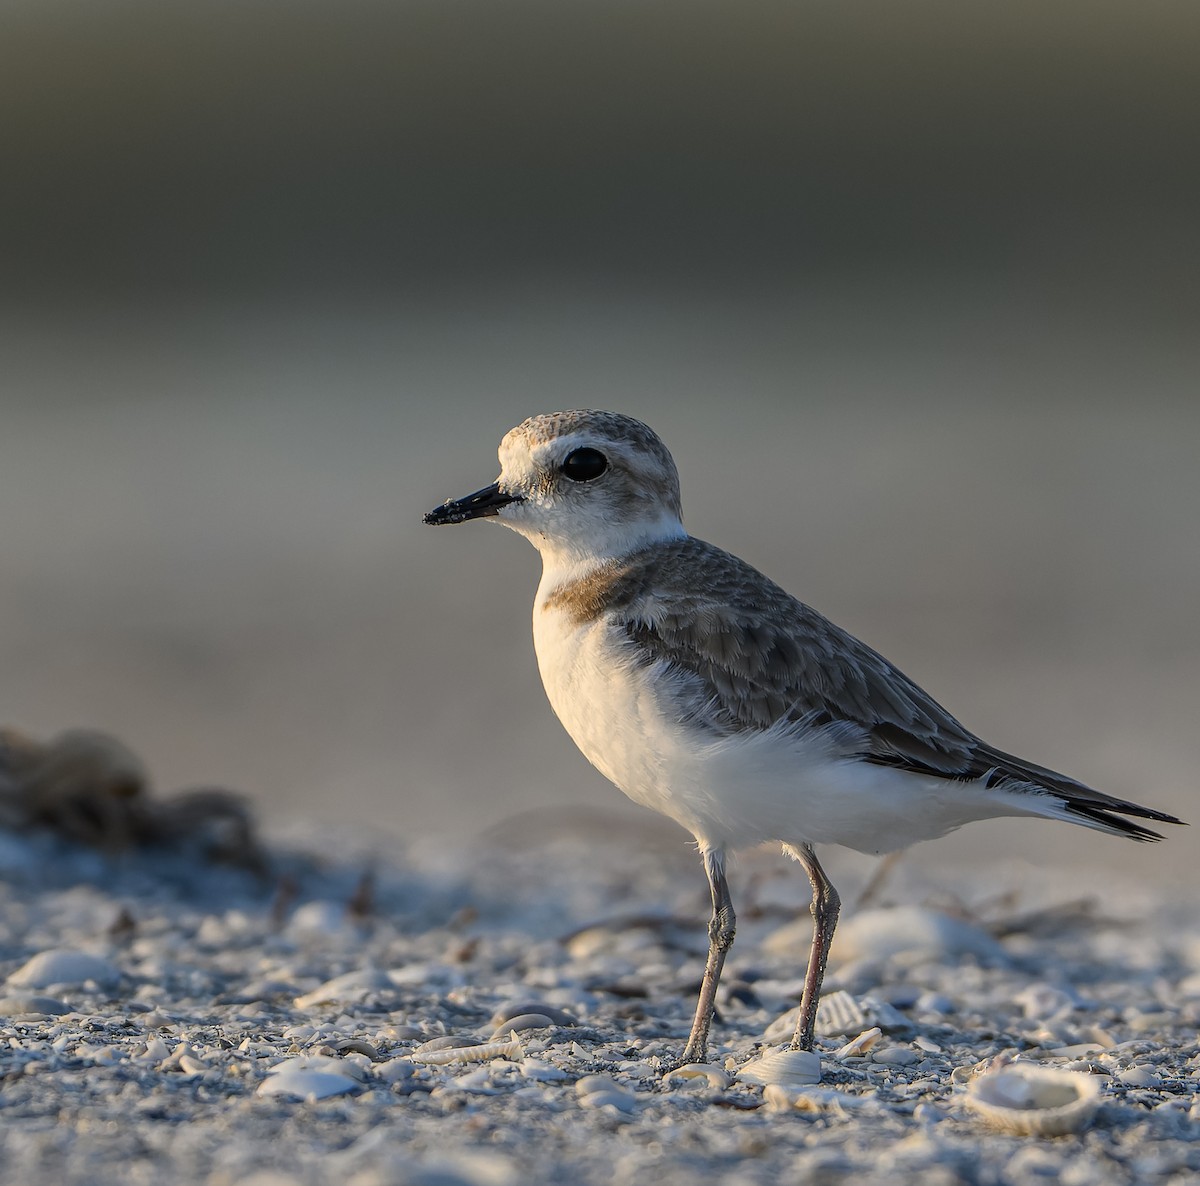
(590, 486)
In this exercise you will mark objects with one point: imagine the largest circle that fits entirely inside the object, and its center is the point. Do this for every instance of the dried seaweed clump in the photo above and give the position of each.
(92, 788)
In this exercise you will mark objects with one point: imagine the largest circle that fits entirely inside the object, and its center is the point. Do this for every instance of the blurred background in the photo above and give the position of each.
(909, 290)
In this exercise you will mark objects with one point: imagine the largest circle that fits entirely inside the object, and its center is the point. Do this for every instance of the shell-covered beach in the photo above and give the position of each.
(511, 1009)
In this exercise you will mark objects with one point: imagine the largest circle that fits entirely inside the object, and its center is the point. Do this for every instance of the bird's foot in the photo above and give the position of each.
(690, 1055)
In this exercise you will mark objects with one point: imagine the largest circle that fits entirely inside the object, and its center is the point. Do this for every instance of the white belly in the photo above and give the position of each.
(735, 791)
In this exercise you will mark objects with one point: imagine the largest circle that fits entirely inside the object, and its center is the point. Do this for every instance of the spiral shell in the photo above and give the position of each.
(481, 1052)
(1034, 1101)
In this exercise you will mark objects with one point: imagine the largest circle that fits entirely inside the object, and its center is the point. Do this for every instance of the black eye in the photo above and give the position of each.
(582, 465)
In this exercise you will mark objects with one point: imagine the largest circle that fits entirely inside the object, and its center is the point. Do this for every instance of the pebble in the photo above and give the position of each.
(65, 967)
(900, 996)
(1044, 1002)
(525, 1009)
(623, 1101)
(306, 1085)
(395, 1070)
(602, 1091)
(896, 1056)
(876, 934)
(540, 1071)
(32, 1005)
(1141, 1076)
(934, 1002)
(523, 1021)
(478, 1082)
(592, 1083)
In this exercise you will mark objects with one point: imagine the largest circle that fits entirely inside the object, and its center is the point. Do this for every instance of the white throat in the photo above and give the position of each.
(565, 559)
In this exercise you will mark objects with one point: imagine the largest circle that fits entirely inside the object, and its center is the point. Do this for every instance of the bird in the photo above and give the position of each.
(705, 692)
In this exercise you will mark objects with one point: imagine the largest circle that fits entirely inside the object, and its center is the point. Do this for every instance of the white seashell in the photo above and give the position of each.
(509, 1048)
(1033, 1100)
(810, 1099)
(64, 967)
(839, 1013)
(306, 1085)
(861, 1045)
(715, 1075)
(784, 1067)
(323, 1063)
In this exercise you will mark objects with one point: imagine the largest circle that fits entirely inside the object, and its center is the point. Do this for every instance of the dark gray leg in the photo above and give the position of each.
(720, 939)
(825, 907)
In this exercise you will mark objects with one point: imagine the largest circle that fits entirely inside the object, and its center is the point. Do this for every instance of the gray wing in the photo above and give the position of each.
(756, 656)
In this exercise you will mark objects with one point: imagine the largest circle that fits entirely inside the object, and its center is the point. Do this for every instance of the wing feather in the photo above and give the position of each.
(752, 656)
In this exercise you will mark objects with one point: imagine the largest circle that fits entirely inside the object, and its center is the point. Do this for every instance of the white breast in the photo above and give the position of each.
(607, 706)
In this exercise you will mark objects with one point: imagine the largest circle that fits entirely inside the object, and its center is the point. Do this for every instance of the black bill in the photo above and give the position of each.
(479, 505)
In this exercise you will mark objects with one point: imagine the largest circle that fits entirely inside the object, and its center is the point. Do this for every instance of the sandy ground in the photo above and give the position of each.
(213, 1027)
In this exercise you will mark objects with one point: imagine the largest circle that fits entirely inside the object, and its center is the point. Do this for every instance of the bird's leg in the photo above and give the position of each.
(825, 907)
(720, 939)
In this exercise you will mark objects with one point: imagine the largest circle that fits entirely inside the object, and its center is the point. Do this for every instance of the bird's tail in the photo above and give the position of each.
(1074, 801)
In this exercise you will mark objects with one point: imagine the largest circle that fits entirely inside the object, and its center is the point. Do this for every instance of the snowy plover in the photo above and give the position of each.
(705, 692)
